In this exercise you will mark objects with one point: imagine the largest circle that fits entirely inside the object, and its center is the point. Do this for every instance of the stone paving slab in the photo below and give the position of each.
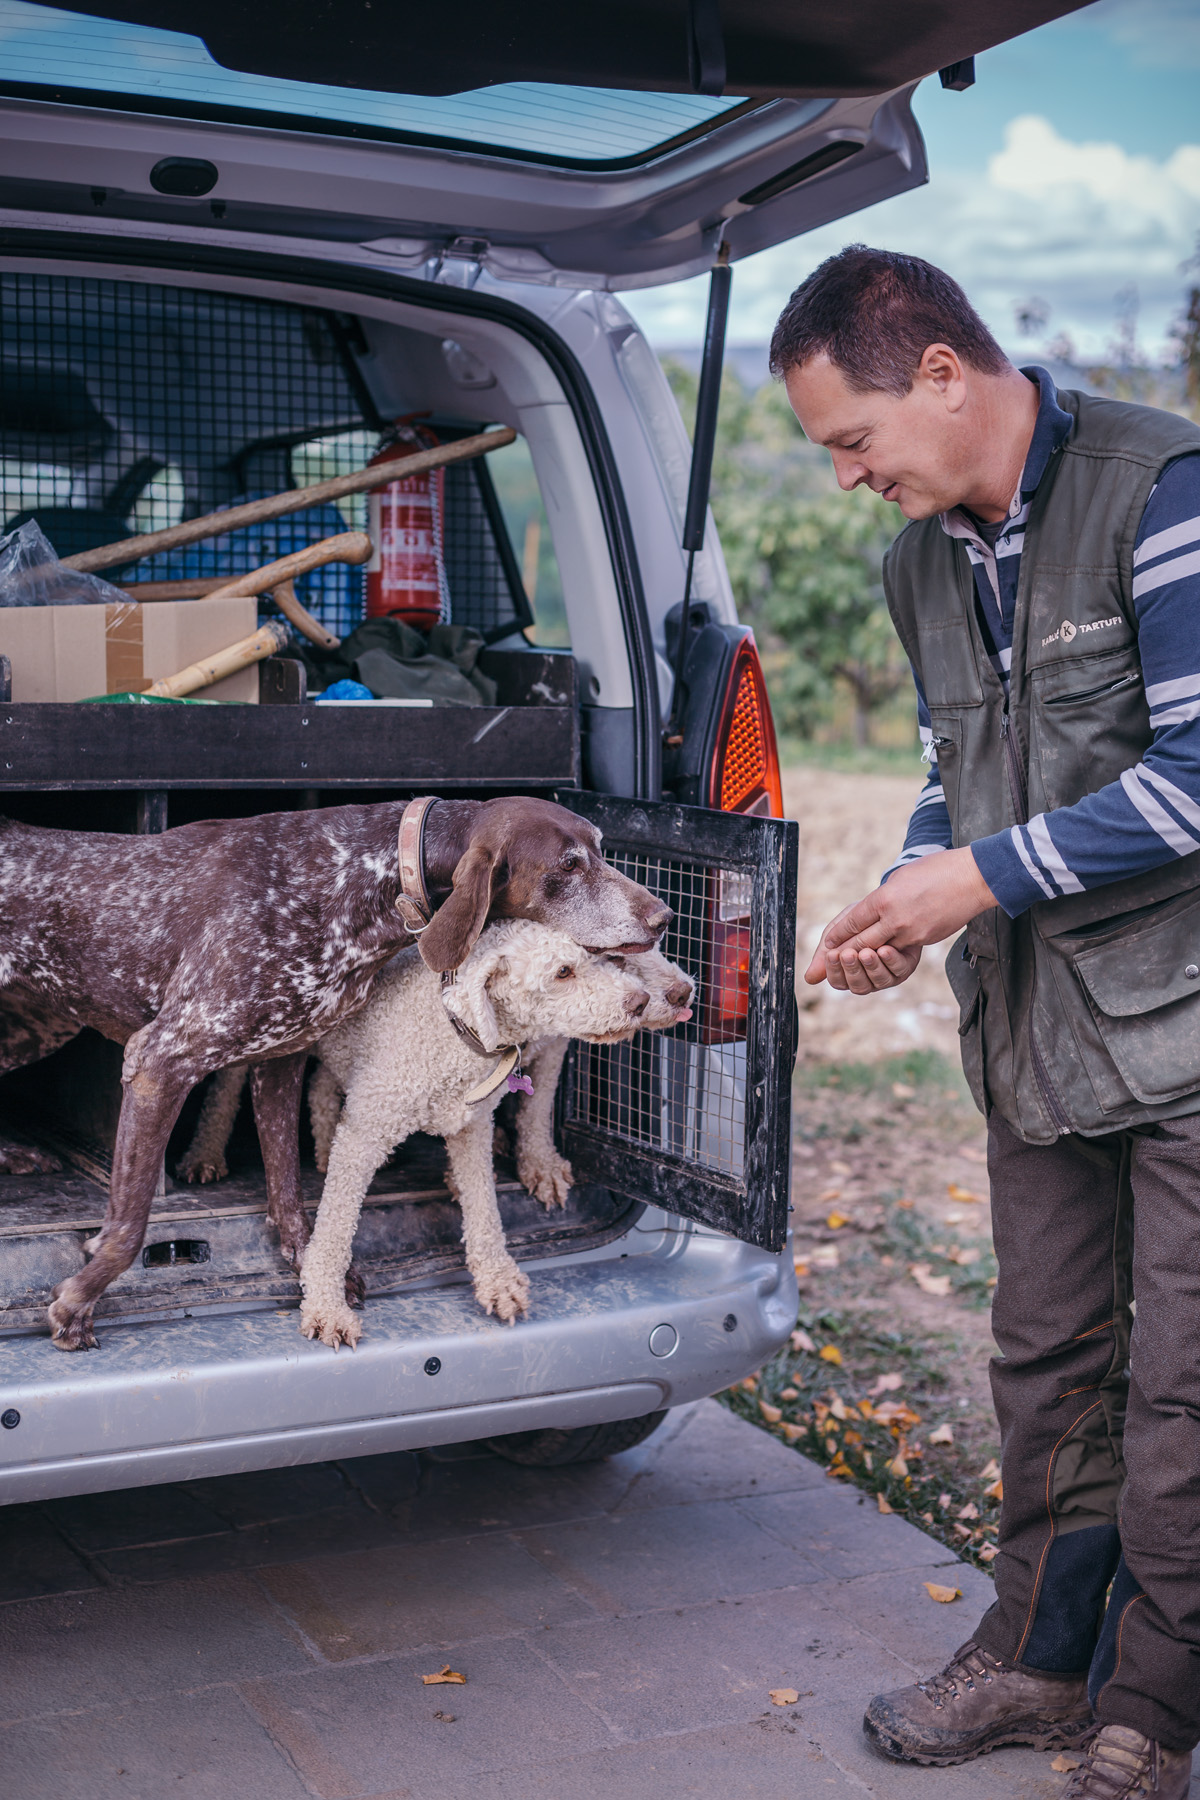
(620, 1625)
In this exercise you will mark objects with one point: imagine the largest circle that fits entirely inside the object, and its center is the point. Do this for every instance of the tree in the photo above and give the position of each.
(804, 560)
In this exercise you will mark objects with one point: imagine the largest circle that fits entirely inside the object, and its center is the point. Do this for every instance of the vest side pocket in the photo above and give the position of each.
(968, 991)
(1143, 987)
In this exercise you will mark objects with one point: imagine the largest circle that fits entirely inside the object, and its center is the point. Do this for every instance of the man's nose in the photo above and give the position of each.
(850, 473)
(637, 1002)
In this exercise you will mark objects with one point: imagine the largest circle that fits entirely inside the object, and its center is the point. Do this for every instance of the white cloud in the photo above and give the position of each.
(1161, 34)
(1074, 223)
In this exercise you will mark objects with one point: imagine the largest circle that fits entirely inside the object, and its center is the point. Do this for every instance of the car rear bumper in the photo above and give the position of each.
(213, 1395)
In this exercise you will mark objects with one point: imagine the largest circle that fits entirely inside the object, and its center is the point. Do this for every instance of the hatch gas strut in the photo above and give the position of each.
(708, 400)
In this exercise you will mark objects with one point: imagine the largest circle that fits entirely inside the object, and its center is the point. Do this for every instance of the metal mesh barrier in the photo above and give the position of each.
(127, 406)
(676, 1091)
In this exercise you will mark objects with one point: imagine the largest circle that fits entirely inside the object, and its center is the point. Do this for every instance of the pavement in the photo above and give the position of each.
(619, 1624)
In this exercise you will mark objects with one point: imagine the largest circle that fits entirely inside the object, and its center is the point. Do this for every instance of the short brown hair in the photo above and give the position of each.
(874, 313)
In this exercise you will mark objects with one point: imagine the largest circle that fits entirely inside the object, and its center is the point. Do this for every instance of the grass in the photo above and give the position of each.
(851, 759)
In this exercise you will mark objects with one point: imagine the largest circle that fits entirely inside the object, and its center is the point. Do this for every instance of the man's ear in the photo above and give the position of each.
(446, 941)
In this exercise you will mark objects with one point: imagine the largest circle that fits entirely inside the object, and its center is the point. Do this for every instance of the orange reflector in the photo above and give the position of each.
(745, 774)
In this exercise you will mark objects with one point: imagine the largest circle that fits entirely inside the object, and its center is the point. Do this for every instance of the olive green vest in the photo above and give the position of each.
(1081, 1015)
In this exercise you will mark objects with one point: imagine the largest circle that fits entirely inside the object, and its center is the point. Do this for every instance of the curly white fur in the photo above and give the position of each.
(402, 1067)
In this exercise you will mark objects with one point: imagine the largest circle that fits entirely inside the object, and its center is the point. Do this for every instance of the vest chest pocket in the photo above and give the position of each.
(1144, 992)
(1088, 722)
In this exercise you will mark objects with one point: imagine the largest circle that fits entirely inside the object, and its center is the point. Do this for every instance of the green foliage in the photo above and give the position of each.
(804, 560)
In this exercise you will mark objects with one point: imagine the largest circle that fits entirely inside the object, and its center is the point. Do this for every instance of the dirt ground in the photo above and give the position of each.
(886, 1379)
(851, 828)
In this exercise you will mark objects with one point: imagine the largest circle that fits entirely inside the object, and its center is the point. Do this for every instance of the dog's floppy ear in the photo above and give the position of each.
(470, 1000)
(446, 941)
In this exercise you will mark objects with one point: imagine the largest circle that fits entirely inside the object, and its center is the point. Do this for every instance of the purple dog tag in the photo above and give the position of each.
(520, 1084)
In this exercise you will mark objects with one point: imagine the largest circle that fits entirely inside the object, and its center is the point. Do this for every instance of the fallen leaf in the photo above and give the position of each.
(750, 1383)
(963, 1257)
(789, 1393)
(830, 1353)
(836, 1220)
(828, 1194)
(772, 1414)
(802, 1341)
(802, 1269)
(969, 1511)
(937, 1285)
(954, 1218)
(988, 1553)
(990, 1470)
(883, 1505)
(837, 1407)
(962, 1531)
(943, 1595)
(831, 1446)
(943, 1501)
(902, 1090)
(897, 1416)
(961, 1193)
(928, 1518)
(971, 1154)
(1062, 1763)
(943, 1435)
(446, 1718)
(886, 1384)
(783, 1696)
(995, 1492)
(897, 1467)
(824, 1256)
(793, 1433)
(840, 1168)
(906, 1204)
(445, 1677)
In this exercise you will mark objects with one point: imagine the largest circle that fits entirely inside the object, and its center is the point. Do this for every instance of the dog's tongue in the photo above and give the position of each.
(684, 1016)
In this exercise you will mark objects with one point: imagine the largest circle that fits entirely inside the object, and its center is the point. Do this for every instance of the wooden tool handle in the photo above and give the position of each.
(276, 506)
(268, 640)
(284, 596)
(348, 546)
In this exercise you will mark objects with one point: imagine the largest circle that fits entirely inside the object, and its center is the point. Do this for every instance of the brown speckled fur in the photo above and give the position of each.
(243, 941)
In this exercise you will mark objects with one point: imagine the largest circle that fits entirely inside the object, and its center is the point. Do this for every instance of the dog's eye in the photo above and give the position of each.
(571, 861)
(565, 973)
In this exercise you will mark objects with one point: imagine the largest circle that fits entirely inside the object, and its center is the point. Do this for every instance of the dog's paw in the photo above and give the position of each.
(356, 1289)
(548, 1177)
(26, 1159)
(71, 1327)
(503, 1291)
(202, 1169)
(331, 1321)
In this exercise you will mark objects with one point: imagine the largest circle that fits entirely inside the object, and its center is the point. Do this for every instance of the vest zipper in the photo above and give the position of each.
(1020, 799)
(1016, 774)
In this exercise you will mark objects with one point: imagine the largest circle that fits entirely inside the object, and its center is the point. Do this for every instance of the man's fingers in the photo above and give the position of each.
(855, 920)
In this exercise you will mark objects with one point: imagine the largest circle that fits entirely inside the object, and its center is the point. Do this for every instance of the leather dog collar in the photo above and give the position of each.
(412, 902)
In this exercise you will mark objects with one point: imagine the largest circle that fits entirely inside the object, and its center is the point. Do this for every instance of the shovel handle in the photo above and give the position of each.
(266, 641)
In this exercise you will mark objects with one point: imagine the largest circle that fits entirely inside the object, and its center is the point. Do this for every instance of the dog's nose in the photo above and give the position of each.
(658, 920)
(636, 1003)
(680, 994)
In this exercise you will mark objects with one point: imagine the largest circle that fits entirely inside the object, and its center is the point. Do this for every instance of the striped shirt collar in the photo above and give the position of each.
(1051, 430)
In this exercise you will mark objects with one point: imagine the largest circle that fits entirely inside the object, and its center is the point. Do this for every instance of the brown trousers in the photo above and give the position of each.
(1100, 1427)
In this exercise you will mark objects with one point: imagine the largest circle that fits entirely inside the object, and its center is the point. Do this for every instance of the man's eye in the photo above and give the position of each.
(565, 973)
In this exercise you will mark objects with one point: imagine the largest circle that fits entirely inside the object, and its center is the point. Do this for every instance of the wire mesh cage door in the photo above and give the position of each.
(698, 1119)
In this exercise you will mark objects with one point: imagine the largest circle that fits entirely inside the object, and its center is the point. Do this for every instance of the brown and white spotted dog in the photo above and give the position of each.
(244, 941)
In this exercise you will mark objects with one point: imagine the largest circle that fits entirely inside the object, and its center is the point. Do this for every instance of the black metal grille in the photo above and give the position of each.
(698, 1118)
(128, 406)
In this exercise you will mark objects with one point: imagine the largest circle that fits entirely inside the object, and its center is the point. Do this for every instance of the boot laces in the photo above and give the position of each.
(1120, 1764)
(967, 1668)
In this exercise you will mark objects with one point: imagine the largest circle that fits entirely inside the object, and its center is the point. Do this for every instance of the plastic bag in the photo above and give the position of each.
(31, 575)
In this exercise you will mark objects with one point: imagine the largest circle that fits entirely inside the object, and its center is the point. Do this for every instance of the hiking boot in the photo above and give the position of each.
(976, 1703)
(1121, 1764)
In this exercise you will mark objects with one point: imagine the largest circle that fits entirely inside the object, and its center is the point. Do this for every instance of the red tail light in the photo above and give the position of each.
(745, 766)
(744, 778)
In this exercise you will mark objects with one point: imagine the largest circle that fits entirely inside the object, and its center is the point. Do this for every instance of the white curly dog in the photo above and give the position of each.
(403, 1064)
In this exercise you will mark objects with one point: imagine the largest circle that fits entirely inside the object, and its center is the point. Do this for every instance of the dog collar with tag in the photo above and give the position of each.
(507, 1069)
(412, 902)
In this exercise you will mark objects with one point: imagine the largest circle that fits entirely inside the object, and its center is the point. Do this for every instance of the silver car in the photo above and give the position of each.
(221, 278)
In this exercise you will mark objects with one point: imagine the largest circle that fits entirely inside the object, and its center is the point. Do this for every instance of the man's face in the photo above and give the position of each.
(912, 450)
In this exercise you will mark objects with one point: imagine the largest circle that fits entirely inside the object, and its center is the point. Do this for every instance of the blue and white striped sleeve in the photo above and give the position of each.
(1152, 813)
(929, 823)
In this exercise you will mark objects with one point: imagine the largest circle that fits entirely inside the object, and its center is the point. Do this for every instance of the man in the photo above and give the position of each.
(1047, 592)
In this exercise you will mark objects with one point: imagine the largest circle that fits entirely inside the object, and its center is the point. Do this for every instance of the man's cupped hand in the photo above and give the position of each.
(877, 943)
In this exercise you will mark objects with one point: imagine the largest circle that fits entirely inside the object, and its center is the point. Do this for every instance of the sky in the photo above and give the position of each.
(1069, 174)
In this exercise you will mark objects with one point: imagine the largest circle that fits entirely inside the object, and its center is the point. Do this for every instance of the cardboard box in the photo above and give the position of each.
(72, 652)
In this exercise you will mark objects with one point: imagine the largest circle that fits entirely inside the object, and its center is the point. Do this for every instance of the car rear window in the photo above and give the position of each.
(46, 48)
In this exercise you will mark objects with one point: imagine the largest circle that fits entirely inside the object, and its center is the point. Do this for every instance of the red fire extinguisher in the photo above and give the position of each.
(406, 576)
